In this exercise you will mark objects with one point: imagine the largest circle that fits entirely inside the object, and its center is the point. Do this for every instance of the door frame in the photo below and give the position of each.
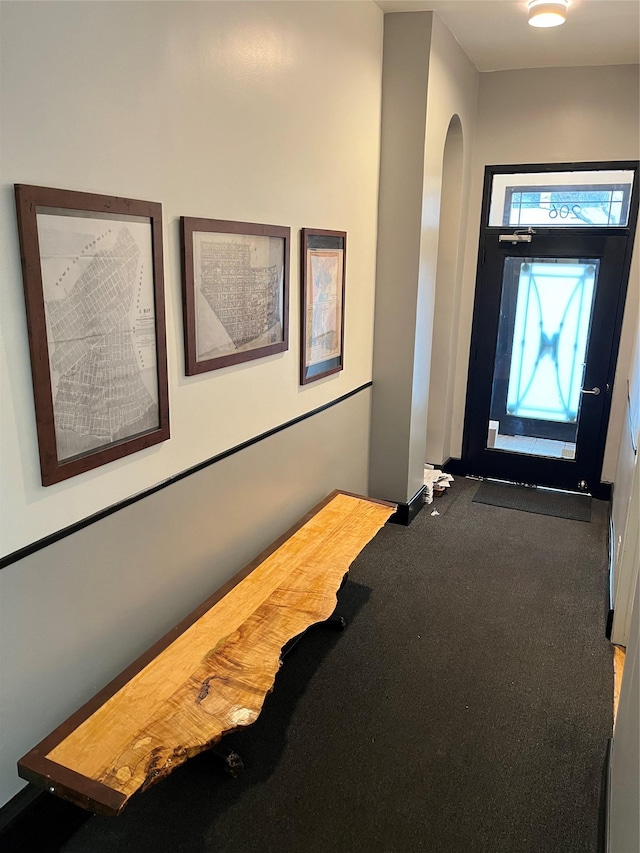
(469, 464)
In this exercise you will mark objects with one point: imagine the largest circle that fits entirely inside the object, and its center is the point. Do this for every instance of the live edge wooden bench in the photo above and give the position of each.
(210, 675)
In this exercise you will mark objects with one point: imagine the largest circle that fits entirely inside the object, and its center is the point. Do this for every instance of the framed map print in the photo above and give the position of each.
(235, 278)
(93, 282)
(322, 321)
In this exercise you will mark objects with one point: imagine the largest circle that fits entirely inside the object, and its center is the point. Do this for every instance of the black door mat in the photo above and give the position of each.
(530, 499)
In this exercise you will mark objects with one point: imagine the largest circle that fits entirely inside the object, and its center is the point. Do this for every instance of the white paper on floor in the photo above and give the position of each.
(434, 477)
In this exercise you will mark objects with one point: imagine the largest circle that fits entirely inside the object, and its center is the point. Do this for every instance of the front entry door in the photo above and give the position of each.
(547, 319)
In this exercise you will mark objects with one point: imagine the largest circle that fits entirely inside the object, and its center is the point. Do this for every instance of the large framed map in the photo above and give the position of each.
(323, 289)
(94, 292)
(235, 278)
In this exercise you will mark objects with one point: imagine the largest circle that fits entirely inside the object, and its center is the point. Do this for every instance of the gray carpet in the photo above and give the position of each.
(466, 709)
(541, 501)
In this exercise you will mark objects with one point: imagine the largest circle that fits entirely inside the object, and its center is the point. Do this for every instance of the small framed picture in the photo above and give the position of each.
(235, 278)
(323, 289)
(94, 292)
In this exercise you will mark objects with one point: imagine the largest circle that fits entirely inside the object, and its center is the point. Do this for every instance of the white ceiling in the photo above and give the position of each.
(495, 34)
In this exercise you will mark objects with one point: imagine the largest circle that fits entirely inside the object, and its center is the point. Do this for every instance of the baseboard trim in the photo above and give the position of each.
(604, 826)
(602, 492)
(457, 467)
(407, 512)
(37, 820)
(16, 805)
(609, 629)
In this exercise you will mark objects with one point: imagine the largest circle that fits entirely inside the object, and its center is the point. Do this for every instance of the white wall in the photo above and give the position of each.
(426, 73)
(448, 280)
(407, 46)
(625, 505)
(453, 95)
(624, 792)
(261, 112)
(551, 115)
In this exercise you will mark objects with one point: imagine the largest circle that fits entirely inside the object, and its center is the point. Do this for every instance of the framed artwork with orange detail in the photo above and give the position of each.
(235, 284)
(323, 292)
(93, 281)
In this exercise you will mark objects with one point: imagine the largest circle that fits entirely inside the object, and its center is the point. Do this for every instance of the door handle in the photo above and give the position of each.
(595, 391)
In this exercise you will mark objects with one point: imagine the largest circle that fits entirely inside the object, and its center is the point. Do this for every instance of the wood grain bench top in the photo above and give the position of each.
(211, 674)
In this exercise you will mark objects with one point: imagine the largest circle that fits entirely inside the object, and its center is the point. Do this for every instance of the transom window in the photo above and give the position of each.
(561, 199)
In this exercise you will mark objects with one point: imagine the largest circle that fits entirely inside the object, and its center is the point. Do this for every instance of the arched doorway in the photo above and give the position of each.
(444, 341)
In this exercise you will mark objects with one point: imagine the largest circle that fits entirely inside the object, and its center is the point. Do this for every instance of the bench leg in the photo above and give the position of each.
(334, 623)
(232, 762)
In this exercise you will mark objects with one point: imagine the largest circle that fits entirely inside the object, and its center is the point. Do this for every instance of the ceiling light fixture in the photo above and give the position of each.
(547, 13)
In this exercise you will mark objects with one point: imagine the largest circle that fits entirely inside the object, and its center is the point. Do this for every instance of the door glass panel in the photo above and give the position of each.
(561, 199)
(545, 319)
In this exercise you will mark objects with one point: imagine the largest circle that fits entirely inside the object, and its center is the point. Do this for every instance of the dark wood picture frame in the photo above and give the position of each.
(235, 289)
(75, 340)
(323, 354)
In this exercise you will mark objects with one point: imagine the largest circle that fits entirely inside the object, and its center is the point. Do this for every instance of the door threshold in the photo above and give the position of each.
(528, 485)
